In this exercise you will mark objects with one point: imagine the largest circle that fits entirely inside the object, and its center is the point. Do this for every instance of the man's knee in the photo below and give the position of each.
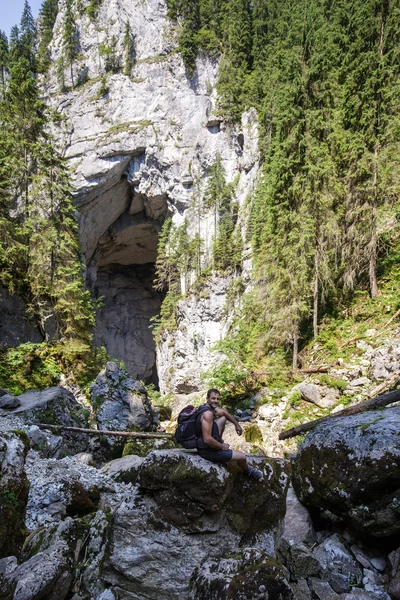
(221, 421)
(237, 455)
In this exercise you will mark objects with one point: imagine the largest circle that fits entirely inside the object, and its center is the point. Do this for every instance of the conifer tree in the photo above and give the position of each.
(3, 56)
(47, 18)
(27, 36)
(70, 37)
(128, 46)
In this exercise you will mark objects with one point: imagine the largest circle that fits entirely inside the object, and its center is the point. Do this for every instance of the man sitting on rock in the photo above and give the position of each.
(209, 430)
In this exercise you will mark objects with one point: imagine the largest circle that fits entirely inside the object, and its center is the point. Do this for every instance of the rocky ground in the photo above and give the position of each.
(169, 525)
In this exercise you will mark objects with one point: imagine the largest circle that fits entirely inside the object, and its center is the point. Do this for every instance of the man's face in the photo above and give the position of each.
(213, 400)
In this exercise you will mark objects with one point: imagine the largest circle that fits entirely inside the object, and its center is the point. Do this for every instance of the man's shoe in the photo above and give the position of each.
(255, 473)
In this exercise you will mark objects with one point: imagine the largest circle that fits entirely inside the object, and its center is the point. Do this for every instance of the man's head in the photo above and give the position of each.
(213, 398)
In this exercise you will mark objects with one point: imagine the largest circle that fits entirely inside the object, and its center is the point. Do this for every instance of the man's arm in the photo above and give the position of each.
(207, 419)
(222, 412)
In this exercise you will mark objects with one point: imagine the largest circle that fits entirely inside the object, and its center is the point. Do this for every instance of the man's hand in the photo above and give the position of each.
(224, 446)
(239, 430)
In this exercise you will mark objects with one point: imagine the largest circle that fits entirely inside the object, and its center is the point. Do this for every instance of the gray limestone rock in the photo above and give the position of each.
(301, 590)
(248, 575)
(191, 491)
(322, 590)
(8, 402)
(14, 488)
(337, 565)
(298, 527)
(319, 395)
(351, 467)
(121, 404)
(124, 469)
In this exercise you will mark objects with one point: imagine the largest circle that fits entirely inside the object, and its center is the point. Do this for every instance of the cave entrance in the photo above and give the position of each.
(119, 228)
(129, 301)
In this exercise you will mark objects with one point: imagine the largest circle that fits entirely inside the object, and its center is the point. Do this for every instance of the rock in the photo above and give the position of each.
(124, 469)
(298, 527)
(61, 487)
(121, 404)
(379, 563)
(394, 585)
(322, 590)
(351, 466)
(8, 402)
(360, 382)
(45, 443)
(54, 406)
(319, 395)
(337, 566)
(252, 574)
(47, 575)
(164, 412)
(14, 488)
(301, 562)
(301, 590)
(7, 584)
(190, 490)
(142, 447)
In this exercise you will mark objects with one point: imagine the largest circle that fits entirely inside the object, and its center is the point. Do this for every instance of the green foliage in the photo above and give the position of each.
(47, 18)
(128, 48)
(92, 9)
(38, 366)
(9, 498)
(108, 52)
(70, 37)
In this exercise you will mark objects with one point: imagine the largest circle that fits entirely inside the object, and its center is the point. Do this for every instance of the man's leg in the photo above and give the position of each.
(241, 460)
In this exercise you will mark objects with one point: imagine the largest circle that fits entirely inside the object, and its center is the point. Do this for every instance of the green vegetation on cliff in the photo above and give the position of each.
(325, 80)
(39, 247)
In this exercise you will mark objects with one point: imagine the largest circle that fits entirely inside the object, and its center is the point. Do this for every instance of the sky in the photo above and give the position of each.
(11, 11)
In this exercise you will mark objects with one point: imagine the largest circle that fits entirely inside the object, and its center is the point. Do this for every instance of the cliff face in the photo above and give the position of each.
(141, 148)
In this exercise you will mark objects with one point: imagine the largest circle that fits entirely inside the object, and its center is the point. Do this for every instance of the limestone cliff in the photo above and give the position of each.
(141, 148)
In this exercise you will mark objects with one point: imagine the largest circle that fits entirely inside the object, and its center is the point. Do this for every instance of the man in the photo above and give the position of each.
(209, 429)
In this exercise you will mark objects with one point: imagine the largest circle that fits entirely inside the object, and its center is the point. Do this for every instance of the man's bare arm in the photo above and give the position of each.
(206, 428)
(222, 412)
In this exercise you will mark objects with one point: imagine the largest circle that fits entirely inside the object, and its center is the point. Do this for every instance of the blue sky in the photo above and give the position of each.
(11, 11)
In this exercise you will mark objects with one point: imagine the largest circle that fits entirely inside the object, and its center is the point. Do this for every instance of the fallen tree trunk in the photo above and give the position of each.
(128, 434)
(352, 410)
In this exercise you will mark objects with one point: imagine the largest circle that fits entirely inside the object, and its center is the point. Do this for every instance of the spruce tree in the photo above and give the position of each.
(128, 47)
(3, 56)
(47, 18)
(70, 37)
(27, 36)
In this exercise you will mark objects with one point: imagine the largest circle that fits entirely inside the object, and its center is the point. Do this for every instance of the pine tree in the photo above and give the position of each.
(27, 36)
(47, 18)
(70, 37)
(3, 56)
(128, 46)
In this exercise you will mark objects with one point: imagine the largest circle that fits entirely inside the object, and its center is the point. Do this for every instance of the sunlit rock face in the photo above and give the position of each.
(141, 148)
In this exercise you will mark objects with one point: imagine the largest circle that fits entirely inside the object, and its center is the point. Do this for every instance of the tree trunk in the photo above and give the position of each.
(315, 298)
(353, 410)
(295, 349)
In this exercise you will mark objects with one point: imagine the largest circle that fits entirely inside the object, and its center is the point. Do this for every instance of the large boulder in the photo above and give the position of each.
(351, 467)
(121, 404)
(14, 488)
(54, 406)
(190, 491)
(188, 512)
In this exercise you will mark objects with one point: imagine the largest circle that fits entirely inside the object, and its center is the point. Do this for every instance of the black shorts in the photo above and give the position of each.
(217, 456)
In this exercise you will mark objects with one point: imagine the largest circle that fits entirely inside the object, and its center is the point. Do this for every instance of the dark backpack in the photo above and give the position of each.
(185, 433)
